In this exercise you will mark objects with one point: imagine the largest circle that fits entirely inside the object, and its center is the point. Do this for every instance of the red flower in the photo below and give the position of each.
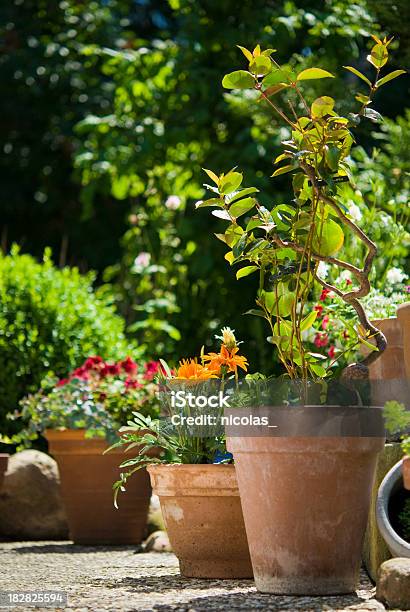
(110, 369)
(331, 352)
(319, 309)
(91, 363)
(151, 369)
(321, 339)
(129, 365)
(80, 373)
(132, 384)
(325, 322)
(62, 382)
(348, 282)
(324, 294)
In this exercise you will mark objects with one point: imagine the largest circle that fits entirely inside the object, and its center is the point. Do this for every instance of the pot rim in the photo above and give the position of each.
(397, 546)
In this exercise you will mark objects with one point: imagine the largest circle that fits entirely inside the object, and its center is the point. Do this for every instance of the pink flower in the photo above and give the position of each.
(80, 373)
(321, 339)
(91, 362)
(331, 352)
(324, 294)
(132, 384)
(325, 322)
(110, 369)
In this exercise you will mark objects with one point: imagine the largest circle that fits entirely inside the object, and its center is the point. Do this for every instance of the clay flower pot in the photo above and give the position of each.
(203, 516)
(305, 502)
(87, 477)
(4, 459)
(406, 472)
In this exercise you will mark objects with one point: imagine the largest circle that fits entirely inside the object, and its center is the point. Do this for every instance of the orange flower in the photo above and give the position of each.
(226, 358)
(190, 369)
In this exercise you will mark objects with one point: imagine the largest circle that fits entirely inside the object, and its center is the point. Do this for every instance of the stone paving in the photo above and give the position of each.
(116, 578)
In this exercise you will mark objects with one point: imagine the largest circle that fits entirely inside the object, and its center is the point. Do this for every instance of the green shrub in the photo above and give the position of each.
(50, 320)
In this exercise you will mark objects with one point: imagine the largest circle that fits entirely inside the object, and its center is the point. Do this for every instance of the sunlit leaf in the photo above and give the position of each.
(283, 170)
(261, 65)
(328, 238)
(373, 115)
(212, 176)
(378, 55)
(322, 106)
(246, 271)
(358, 74)
(240, 194)
(242, 206)
(240, 79)
(221, 214)
(210, 202)
(314, 73)
(230, 182)
(308, 321)
(246, 53)
(389, 77)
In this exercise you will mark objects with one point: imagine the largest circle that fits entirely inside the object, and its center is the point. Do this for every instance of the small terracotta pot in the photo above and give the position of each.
(403, 314)
(4, 459)
(390, 364)
(203, 516)
(305, 503)
(87, 477)
(406, 472)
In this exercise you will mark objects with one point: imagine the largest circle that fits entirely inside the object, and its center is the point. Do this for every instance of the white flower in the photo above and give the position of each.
(323, 269)
(142, 260)
(394, 276)
(355, 212)
(344, 276)
(173, 202)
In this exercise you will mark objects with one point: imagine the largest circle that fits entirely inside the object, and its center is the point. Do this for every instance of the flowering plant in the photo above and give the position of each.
(98, 396)
(156, 440)
(287, 243)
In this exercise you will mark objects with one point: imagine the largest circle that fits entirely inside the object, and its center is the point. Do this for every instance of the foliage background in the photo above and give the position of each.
(109, 108)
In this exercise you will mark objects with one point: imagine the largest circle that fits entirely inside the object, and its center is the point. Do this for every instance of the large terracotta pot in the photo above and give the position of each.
(4, 459)
(305, 502)
(406, 472)
(403, 314)
(203, 516)
(87, 477)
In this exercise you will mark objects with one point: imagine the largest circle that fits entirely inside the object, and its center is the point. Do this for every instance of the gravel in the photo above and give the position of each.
(116, 578)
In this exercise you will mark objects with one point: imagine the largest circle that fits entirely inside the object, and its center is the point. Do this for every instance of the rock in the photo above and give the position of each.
(31, 506)
(393, 585)
(157, 542)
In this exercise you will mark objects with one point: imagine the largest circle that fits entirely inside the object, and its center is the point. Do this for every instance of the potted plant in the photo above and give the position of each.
(305, 499)
(191, 472)
(79, 415)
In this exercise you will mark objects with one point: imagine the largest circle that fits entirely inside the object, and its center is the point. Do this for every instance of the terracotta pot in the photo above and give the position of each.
(403, 314)
(390, 364)
(4, 459)
(406, 472)
(305, 503)
(87, 477)
(203, 516)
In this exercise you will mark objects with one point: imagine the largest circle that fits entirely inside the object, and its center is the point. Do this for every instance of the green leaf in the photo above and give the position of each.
(240, 79)
(246, 271)
(389, 77)
(278, 76)
(212, 176)
(373, 115)
(283, 170)
(314, 73)
(255, 312)
(230, 182)
(332, 156)
(222, 214)
(362, 98)
(358, 74)
(322, 106)
(232, 234)
(246, 53)
(241, 194)
(274, 89)
(318, 369)
(308, 321)
(328, 238)
(240, 245)
(378, 55)
(210, 202)
(242, 206)
(261, 65)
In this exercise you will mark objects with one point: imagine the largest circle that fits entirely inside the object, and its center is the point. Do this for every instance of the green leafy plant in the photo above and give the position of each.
(98, 396)
(49, 319)
(286, 243)
(397, 420)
